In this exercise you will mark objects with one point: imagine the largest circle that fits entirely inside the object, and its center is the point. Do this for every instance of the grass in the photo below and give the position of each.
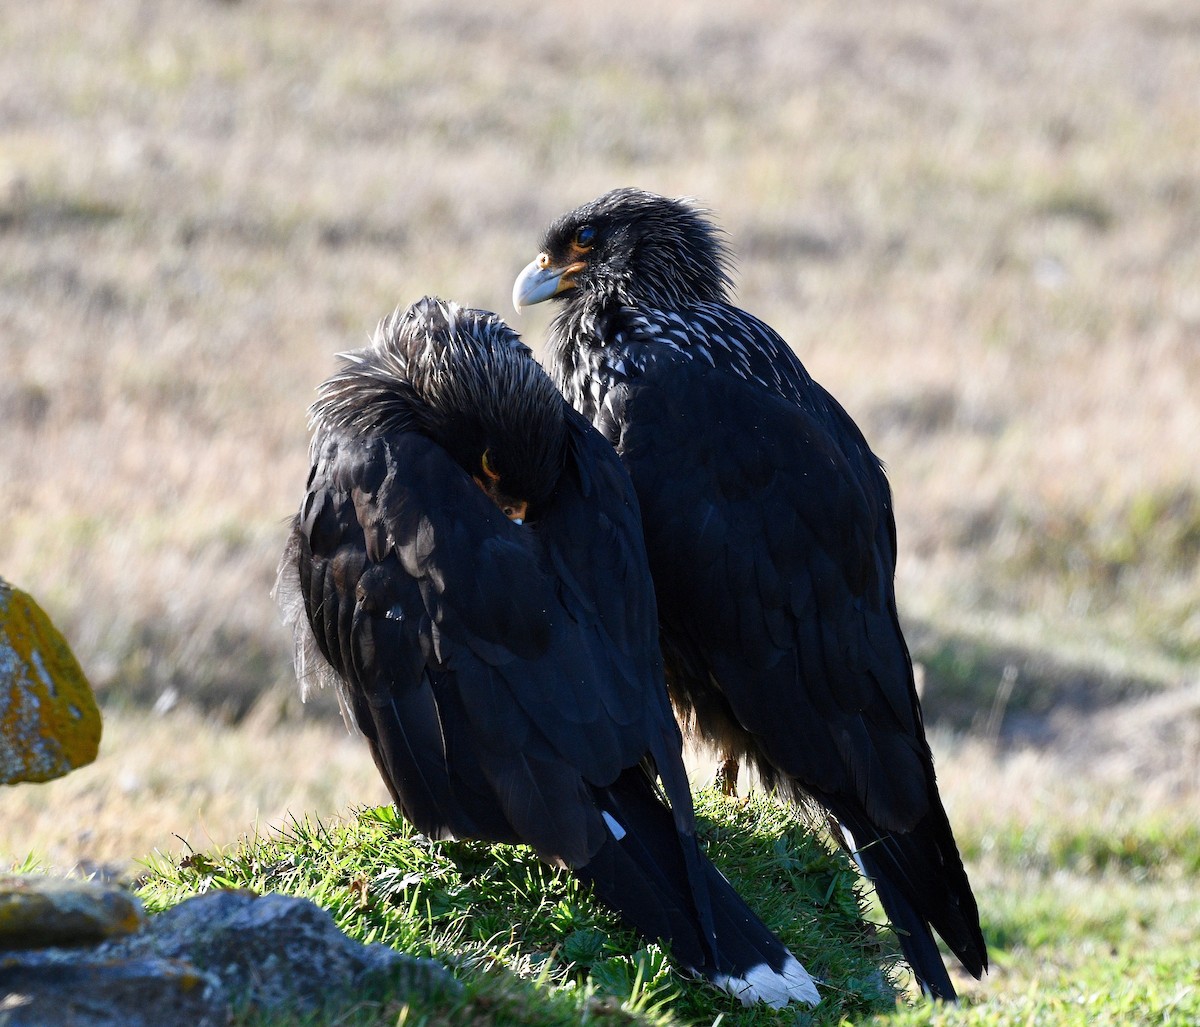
(497, 912)
(1082, 849)
(1073, 948)
(976, 223)
(992, 210)
(175, 779)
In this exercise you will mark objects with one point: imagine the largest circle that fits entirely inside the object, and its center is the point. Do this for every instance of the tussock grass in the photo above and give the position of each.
(495, 912)
(1082, 850)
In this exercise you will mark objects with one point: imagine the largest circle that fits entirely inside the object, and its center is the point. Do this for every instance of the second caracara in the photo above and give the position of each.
(467, 569)
(771, 540)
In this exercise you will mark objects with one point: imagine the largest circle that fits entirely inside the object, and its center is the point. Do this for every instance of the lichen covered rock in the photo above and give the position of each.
(38, 911)
(56, 987)
(277, 952)
(204, 959)
(49, 723)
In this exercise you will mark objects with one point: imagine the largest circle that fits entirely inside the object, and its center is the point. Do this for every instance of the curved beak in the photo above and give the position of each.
(540, 281)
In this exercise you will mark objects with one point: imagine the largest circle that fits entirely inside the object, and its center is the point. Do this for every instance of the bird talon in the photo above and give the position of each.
(727, 777)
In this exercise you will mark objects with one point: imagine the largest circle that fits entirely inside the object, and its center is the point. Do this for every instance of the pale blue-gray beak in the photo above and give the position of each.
(539, 281)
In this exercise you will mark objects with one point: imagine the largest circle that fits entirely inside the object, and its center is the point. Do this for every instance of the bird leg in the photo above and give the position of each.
(727, 776)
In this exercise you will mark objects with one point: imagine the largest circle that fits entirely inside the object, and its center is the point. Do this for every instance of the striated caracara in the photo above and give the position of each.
(771, 540)
(468, 570)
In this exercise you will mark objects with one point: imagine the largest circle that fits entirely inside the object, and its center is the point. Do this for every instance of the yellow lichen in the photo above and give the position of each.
(49, 722)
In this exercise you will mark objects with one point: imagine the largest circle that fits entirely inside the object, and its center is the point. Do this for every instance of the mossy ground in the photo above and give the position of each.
(523, 936)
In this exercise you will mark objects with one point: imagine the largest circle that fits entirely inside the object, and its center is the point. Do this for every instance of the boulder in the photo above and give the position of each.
(199, 961)
(275, 952)
(36, 912)
(49, 723)
(52, 987)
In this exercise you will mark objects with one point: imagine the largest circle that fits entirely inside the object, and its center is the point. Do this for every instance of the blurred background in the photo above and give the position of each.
(978, 225)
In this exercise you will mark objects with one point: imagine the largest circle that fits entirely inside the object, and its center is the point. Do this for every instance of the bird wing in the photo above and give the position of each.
(490, 664)
(728, 338)
(764, 546)
(599, 556)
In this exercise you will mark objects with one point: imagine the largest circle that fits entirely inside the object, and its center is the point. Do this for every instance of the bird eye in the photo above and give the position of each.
(585, 237)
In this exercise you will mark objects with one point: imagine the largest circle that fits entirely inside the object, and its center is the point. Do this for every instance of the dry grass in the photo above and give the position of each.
(979, 225)
(180, 780)
(1136, 765)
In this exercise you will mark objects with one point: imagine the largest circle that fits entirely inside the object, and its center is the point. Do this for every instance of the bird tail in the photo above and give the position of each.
(923, 887)
(662, 885)
(916, 938)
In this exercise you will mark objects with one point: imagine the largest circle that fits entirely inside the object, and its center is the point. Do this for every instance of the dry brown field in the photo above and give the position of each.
(977, 223)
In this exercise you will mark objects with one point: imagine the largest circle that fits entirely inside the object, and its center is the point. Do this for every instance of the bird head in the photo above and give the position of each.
(632, 247)
(465, 380)
(487, 402)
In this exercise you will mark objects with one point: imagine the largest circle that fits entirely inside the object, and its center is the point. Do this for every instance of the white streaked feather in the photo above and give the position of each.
(853, 847)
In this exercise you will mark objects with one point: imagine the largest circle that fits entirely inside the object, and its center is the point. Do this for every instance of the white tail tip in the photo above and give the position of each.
(774, 988)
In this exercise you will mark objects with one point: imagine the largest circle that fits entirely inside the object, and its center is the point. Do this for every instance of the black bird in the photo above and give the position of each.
(772, 544)
(468, 570)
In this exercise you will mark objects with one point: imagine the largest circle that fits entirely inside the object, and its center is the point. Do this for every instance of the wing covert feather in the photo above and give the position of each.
(767, 570)
(487, 661)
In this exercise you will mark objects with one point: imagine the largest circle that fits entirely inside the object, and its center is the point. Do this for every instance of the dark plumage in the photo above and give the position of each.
(771, 540)
(505, 669)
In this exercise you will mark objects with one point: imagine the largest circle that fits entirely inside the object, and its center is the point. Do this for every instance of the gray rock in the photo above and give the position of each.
(198, 961)
(38, 911)
(50, 987)
(278, 952)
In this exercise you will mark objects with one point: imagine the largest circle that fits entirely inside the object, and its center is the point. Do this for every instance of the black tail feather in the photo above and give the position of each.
(923, 887)
(647, 877)
(916, 939)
